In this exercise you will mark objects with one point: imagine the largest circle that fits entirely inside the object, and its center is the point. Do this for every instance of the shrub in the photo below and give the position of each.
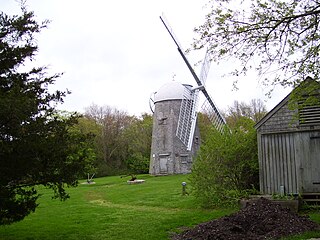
(226, 167)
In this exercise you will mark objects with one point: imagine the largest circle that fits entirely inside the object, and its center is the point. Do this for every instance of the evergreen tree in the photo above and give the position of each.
(36, 144)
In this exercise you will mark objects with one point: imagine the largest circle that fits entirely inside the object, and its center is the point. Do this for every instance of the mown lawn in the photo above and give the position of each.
(113, 209)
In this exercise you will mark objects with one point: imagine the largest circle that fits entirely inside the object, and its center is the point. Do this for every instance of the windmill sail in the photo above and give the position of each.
(188, 116)
(188, 110)
(203, 76)
(169, 29)
(213, 114)
(209, 107)
(185, 116)
(205, 68)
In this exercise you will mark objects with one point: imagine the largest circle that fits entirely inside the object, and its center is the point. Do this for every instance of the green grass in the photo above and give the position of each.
(113, 209)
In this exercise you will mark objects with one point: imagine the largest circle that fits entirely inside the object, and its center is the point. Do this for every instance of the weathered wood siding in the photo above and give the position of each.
(283, 120)
(289, 147)
(278, 163)
(309, 154)
(289, 151)
(291, 160)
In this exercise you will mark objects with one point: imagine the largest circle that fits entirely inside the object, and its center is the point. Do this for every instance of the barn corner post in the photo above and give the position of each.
(261, 169)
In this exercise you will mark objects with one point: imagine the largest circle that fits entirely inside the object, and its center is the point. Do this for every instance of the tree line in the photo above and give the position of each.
(121, 142)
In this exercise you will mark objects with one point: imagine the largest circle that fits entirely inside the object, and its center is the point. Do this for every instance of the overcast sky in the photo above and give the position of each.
(117, 53)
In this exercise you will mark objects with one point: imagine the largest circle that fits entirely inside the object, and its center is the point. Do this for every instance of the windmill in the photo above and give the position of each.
(169, 156)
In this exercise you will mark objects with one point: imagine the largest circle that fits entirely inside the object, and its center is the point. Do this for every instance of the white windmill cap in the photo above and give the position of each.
(171, 91)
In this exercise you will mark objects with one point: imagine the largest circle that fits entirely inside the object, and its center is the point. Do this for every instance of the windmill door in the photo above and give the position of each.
(311, 163)
(163, 164)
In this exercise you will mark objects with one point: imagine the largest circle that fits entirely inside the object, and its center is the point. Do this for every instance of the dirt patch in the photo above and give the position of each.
(259, 220)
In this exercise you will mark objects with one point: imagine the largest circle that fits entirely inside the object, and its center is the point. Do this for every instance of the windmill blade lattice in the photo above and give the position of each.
(205, 68)
(214, 115)
(169, 29)
(188, 116)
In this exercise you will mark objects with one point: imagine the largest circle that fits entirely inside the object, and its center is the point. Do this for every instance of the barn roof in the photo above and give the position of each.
(280, 105)
(273, 111)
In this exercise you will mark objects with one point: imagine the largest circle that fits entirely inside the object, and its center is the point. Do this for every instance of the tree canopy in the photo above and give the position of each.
(278, 38)
(255, 110)
(37, 143)
(122, 142)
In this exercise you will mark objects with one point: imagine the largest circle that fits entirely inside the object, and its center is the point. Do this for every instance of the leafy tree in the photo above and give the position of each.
(84, 127)
(93, 130)
(112, 151)
(226, 165)
(205, 126)
(138, 136)
(122, 142)
(37, 145)
(305, 95)
(255, 110)
(279, 38)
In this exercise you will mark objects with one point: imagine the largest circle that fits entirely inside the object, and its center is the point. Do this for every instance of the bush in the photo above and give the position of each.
(226, 167)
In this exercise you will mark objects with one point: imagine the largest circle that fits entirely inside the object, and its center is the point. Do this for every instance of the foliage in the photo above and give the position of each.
(139, 136)
(122, 142)
(226, 165)
(306, 94)
(111, 147)
(36, 145)
(309, 207)
(205, 126)
(255, 110)
(278, 38)
(90, 128)
(84, 145)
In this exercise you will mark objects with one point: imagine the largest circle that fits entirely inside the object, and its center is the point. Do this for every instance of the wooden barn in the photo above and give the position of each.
(289, 145)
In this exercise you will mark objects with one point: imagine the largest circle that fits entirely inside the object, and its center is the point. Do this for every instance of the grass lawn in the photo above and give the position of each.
(113, 209)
